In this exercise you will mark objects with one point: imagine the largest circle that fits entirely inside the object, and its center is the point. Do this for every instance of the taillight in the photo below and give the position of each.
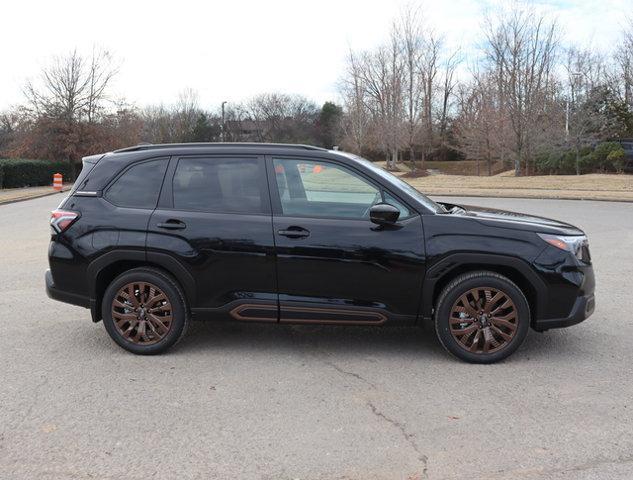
(62, 219)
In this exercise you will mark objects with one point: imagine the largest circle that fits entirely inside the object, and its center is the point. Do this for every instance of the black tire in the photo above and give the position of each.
(459, 287)
(172, 291)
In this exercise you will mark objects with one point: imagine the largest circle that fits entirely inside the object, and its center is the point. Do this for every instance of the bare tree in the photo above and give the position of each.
(429, 68)
(587, 121)
(70, 91)
(381, 75)
(521, 47)
(173, 123)
(479, 120)
(410, 35)
(73, 87)
(186, 112)
(584, 68)
(10, 122)
(357, 117)
(622, 72)
(282, 117)
(449, 83)
(61, 91)
(159, 125)
(100, 73)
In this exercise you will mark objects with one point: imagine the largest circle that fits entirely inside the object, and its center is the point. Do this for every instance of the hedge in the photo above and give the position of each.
(605, 157)
(18, 172)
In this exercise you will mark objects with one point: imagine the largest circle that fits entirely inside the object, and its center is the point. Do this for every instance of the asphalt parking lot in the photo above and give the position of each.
(243, 401)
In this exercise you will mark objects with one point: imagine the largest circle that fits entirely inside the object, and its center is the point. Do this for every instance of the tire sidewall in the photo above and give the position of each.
(167, 287)
(454, 291)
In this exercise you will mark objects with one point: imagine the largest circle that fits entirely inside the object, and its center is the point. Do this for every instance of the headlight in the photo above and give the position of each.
(578, 245)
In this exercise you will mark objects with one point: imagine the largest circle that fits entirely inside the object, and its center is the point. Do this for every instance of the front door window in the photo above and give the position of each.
(322, 189)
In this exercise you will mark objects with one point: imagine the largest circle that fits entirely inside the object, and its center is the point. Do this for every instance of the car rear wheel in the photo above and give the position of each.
(482, 317)
(144, 311)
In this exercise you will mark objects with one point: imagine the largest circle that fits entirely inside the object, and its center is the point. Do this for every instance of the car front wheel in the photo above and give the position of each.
(482, 317)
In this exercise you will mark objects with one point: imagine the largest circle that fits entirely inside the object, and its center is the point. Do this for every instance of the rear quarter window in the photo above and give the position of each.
(82, 179)
(139, 186)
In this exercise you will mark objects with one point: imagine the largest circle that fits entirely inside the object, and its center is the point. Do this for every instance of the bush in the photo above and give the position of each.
(599, 158)
(557, 163)
(607, 156)
(617, 159)
(547, 163)
(17, 172)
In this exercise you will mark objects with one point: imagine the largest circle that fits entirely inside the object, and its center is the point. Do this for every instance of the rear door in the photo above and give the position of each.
(130, 198)
(214, 218)
(333, 264)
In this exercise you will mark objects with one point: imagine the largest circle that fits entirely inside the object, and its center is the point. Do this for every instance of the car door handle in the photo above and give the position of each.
(172, 224)
(294, 232)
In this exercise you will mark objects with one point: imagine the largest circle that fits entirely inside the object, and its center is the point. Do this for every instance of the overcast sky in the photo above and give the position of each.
(232, 49)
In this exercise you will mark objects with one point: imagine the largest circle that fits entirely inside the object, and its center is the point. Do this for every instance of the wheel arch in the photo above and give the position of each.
(107, 267)
(517, 270)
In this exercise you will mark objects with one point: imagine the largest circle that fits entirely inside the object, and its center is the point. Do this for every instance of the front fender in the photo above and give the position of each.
(457, 262)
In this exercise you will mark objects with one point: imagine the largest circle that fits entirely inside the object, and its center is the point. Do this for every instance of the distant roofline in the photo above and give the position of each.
(157, 146)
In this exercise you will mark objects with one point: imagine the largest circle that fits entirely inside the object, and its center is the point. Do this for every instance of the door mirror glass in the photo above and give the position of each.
(384, 214)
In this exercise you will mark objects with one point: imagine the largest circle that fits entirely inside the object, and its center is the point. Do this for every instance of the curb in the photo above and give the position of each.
(31, 197)
(476, 195)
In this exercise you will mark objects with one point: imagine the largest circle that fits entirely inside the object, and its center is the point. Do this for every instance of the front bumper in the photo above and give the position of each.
(62, 296)
(582, 309)
(569, 297)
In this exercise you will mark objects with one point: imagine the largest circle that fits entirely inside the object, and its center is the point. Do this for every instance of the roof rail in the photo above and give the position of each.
(151, 146)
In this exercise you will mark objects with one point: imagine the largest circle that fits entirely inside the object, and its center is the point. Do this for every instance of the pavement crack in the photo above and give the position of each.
(319, 353)
(346, 372)
(409, 437)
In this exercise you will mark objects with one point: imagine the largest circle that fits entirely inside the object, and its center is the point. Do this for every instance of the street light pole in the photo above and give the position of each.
(223, 123)
(567, 119)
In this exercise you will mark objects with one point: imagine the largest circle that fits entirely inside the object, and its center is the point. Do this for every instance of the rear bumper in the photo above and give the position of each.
(582, 309)
(62, 296)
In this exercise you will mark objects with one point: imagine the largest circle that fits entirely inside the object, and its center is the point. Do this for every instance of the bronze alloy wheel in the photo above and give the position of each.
(483, 320)
(142, 313)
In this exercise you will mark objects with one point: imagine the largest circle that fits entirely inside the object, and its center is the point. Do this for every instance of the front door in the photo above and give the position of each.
(333, 264)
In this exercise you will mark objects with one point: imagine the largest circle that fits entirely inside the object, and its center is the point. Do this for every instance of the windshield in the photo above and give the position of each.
(398, 183)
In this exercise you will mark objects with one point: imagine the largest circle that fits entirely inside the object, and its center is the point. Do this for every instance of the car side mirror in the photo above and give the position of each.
(383, 214)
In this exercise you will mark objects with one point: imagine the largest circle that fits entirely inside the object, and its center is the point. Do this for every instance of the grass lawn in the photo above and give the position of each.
(457, 167)
(593, 186)
(463, 167)
(590, 187)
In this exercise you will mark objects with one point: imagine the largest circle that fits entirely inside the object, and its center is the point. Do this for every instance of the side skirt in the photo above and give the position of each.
(270, 312)
(241, 310)
(331, 315)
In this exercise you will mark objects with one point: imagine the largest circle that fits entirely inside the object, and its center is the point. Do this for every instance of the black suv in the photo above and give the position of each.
(155, 235)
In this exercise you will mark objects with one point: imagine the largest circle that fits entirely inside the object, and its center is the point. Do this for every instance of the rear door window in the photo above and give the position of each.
(220, 185)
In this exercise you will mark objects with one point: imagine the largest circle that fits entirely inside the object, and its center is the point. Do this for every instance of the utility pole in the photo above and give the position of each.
(223, 123)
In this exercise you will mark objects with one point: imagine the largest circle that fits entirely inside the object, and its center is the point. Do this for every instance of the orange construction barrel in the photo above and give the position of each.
(57, 182)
